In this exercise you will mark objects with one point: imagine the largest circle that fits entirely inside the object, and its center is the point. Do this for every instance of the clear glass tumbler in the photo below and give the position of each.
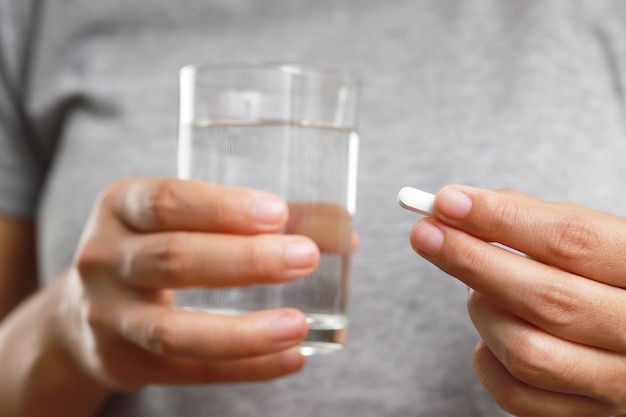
(291, 130)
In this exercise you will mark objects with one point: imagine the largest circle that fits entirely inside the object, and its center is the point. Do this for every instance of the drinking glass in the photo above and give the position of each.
(289, 129)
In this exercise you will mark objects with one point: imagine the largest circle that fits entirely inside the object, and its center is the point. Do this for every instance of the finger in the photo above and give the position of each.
(568, 306)
(205, 336)
(163, 204)
(258, 368)
(544, 361)
(523, 400)
(570, 237)
(328, 225)
(152, 368)
(177, 260)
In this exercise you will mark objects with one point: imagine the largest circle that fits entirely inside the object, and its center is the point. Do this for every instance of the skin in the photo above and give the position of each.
(17, 250)
(107, 323)
(551, 322)
(551, 318)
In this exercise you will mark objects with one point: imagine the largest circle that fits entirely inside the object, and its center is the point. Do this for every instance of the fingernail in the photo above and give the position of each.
(301, 254)
(268, 210)
(427, 238)
(453, 204)
(287, 326)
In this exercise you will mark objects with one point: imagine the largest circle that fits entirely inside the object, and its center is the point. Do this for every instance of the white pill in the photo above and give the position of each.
(417, 200)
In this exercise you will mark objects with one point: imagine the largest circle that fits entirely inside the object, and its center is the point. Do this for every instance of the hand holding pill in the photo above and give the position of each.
(548, 321)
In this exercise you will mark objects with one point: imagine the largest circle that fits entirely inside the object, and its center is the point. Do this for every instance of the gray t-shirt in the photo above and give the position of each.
(522, 94)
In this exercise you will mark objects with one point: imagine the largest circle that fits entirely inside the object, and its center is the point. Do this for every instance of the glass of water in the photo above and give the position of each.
(291, 130)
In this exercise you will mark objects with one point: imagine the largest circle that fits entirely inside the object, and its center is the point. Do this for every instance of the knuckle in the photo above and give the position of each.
(466, 262)
(504, 395)
(512, 402)
(90, 258)
(172, 257)
(475, 303)
(503, 216)
(163, 202)
(507, 396)
(530, 361)
(573, 238)
(110, 194)
(164, 335)
(555, 305)
(108, 197)
(91, 316)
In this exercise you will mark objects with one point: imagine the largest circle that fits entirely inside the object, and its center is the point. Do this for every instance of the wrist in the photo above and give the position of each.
(41, 373)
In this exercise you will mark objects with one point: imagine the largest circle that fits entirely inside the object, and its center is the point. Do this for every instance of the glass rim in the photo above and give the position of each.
(286, 67)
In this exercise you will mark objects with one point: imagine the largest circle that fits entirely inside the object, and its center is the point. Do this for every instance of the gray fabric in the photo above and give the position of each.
(21, 163)
(521, 94)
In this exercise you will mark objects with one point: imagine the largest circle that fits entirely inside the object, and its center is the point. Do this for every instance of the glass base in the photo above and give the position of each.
(308, 348)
